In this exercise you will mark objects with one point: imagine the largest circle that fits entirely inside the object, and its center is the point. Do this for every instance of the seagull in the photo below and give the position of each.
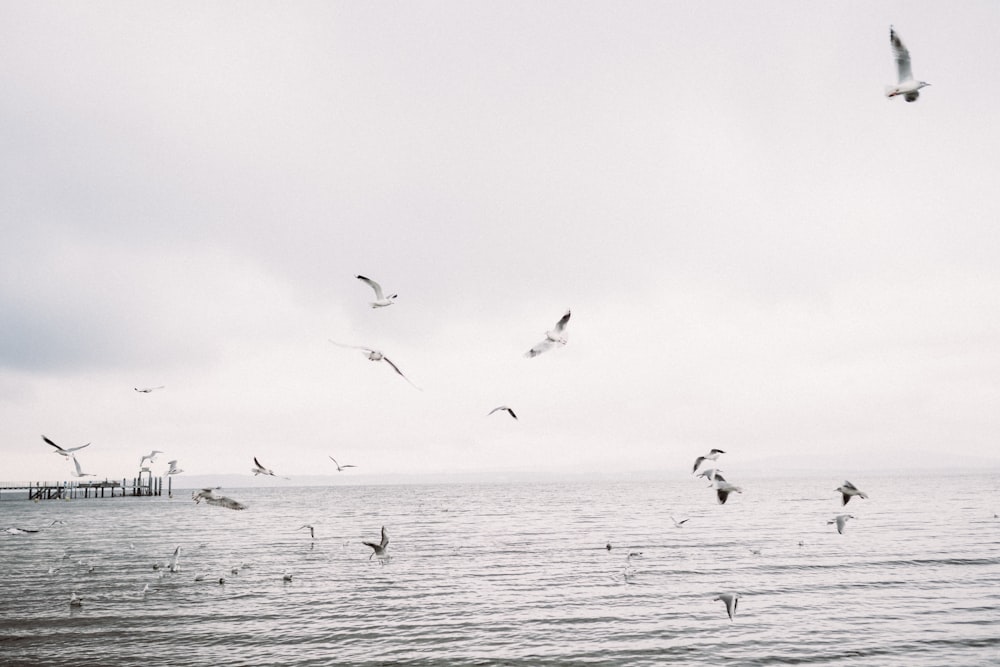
(908, 87)
(755, 552)
(258, 469)
(724, 488)
(678, 524)
(379, 549)
(79, 472)
(380, 301)
(286, 577)
(61, 451)
(849, 490)
(731, 599)
(148, 390)
(75, 601)
(175, 558)
(502, 408)
(711, 456)
(376, 355)
(151, 456)
(174, 470)
(340, 468)
(312, 532)
(841, 521)
(711, 474)
(212, 499)
(552, 338)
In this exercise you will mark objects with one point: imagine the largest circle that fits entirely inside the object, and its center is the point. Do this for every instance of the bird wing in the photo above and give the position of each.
(396, 368)
(697, 462)
(385, 538)
(53, 444)
(257, 463)
(736, 601)
(351, 347)
(511, 413)
(723, 495)
(374, 285)
(849, 485)
(902, 56)
(79, 472)
(846, 499)
(543, 346)
(334, 461)
(561, 324)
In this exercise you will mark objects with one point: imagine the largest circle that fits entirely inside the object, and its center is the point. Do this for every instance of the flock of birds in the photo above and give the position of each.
(907, 87)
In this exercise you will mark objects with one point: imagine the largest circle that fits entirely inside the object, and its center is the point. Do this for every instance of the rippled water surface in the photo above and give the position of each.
(512, 574)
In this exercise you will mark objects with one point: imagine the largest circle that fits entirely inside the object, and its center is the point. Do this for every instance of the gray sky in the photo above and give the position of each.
(761, 252)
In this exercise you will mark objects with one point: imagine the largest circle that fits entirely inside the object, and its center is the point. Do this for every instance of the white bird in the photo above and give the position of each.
(175, 559)
(380, 301)
(222, 501)
(711, 474)
(376, 355)
(557, 336)
(174, 470)
(724, 488)
(79, 472)
(678, 524)
(379, 549)
(75, 601)
(258, 469)
(151, 456)
(908, 87)
(148, 390)
(841, 521)
(68, 451)
(713, 455)
(848, 490)
(340, 468)
(312, 532)
(731, 600)
(503, 408)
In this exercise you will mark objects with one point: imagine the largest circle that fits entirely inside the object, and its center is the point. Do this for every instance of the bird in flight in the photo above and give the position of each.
(79, 471)
(222, 501)
(841, 521)
(376, 355)
(908, 87)
(174, 470)
(379, 549)
(148, 390)
(151, 456)
(711, 456)
(557, 336)
(731, 599)
(723, 489)
(381, 301)
(340, 468)
(847, 490)
(68, 451)
(502, 408)
(258, 469)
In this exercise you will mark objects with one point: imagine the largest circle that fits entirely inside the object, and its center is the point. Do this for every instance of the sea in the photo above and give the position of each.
(515, 573)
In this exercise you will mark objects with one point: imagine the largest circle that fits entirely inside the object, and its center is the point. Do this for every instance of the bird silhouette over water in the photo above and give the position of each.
(379, 549)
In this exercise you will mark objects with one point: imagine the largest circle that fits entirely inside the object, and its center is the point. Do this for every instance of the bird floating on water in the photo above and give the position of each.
(848, 490)
(312, 531)
(340, 468)
(841, 521)
(908, 87)
(731, 600)
(502, 408)
(713, 455)
(376, 355)
(148, 390)
(64, 451)
(381, 301)
(557, 336)
(379, 549)
(74, 601)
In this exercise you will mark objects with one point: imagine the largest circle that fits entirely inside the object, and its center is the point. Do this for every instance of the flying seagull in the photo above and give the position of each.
(711, 456)
(375, 355)
(381, 301)
(711, 474)
(731, 599)
(724, 488)
(174, 470)
(379, 549)
(79, 472)
(222, 501)
(678, 524)
(557, 336)
(151, 456)
(340, 468)
(841, 521)
(908, 87)
(258, 469)
(67, 452)
(503, 408)
(148, 390)
(848, 490)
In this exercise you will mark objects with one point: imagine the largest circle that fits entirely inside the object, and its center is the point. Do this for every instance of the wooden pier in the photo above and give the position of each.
(144, 485)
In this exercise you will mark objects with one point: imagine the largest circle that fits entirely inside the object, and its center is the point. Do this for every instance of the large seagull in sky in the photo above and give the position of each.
(908, 87)
(557, 336)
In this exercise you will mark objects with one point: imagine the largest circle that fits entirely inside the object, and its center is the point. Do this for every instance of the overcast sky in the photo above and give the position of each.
(761, 252)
